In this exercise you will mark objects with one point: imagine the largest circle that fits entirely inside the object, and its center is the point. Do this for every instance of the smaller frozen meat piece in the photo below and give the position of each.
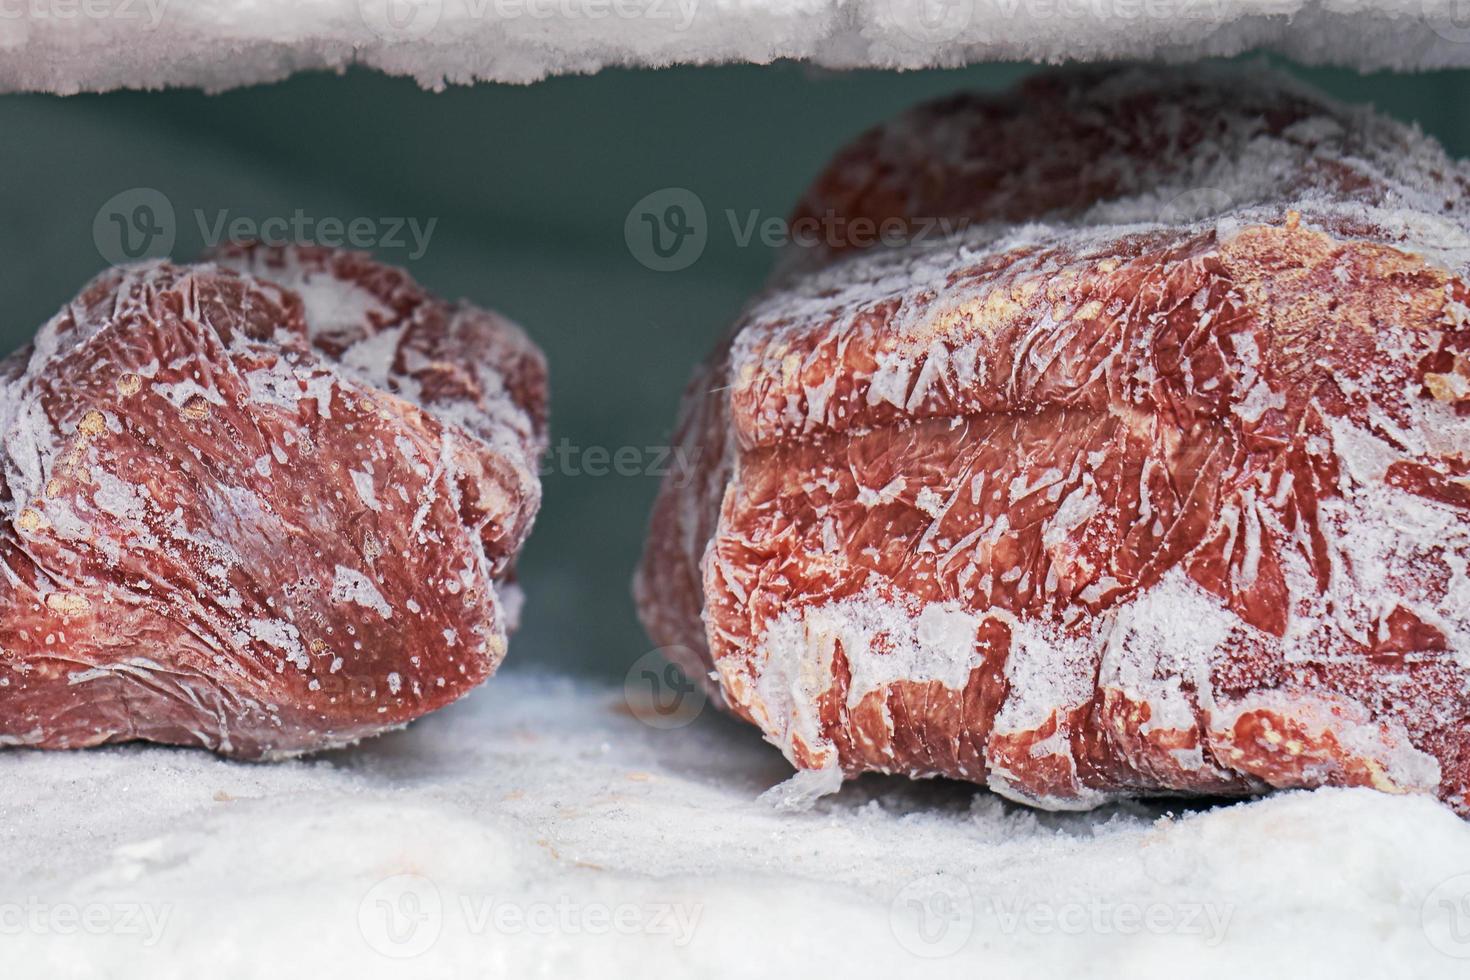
(265, 504)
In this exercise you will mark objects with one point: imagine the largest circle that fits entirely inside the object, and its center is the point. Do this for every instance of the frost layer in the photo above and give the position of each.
(476, 844)
(53, 45)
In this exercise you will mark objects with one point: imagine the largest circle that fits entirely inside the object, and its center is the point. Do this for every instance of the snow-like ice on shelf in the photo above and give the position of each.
(540, 829)
(78, 45)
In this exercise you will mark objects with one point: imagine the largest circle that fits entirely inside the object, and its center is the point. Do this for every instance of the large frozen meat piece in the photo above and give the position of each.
(1151, 476)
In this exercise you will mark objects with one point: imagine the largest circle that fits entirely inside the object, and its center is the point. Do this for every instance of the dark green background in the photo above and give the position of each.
(531, 187)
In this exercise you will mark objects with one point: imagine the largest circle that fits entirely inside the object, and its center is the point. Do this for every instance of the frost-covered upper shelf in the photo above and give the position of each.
(81, 45)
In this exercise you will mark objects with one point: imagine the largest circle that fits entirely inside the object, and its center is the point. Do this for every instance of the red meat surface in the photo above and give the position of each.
(1153, 479)
(265, 505)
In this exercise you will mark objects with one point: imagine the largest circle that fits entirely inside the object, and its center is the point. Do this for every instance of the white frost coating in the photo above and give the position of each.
(1332, 883)
(331, 307)
(286, 386)
(216, 44)
(802, 791)
(1258, 401)
(117, 497)
(1381, 536)
(1169, 634)
(1048, 670)
(180, 393)
(1076, 509)
(281, 635)
(883, 640)
(869, 497)
(363, 483)
(372, 357)
(350, 585)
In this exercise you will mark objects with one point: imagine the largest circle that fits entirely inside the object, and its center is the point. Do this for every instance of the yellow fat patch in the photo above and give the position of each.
(93, 424)
(196, 409)
(67, 603)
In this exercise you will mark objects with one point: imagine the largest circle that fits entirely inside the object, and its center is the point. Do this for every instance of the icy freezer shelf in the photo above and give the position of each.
(541, 829)
(79, 45)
